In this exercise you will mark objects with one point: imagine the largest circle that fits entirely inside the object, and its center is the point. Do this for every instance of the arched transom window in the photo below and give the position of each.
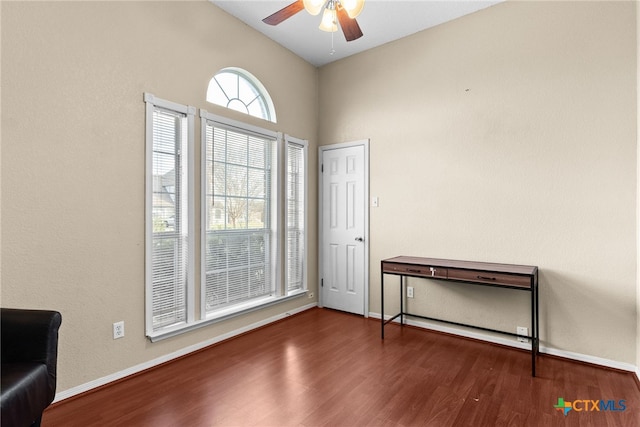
(239, 90)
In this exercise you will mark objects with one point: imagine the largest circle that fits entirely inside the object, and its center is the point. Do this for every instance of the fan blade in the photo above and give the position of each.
(349, 26)
(284, 13)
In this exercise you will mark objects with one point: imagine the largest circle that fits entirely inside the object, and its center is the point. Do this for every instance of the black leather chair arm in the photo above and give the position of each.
(31, 336)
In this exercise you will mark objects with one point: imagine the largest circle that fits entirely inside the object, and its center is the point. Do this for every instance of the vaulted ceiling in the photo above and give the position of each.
(381, 21)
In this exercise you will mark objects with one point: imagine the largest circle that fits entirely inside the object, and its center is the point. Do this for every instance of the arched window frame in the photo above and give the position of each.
(228, 88)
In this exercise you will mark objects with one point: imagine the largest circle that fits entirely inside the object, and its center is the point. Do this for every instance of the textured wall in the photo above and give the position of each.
(73, 78)
(638, 190)
(508, 135)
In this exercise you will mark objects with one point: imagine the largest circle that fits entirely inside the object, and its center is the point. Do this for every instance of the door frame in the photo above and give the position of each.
(321, 150)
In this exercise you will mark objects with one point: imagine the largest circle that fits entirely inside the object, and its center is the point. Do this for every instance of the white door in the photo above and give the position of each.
(344, 239)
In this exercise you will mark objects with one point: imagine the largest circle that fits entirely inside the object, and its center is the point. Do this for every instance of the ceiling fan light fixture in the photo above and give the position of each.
(353, 7)
(313, 6)
(329, 21)
(334, 12)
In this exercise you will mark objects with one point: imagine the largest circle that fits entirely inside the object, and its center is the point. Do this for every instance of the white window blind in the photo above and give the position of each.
(169, 246)
(296, 214)
(238, 250)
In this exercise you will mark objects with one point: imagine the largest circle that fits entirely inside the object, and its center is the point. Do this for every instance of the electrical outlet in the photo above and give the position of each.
(410, 291)
(523, 333)
(118, 330)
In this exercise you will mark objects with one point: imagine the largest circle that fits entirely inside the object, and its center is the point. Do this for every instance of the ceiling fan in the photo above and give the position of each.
(342, 11)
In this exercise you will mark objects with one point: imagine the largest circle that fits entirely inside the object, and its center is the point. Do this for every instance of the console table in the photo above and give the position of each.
(508, 276)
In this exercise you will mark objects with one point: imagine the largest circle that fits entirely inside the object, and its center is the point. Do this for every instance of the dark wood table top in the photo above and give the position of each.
(468, 265)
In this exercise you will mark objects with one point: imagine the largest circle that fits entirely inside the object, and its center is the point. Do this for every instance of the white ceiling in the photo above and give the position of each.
(381, 21)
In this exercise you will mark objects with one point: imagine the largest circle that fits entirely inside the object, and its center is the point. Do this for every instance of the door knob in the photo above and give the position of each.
(359, 239)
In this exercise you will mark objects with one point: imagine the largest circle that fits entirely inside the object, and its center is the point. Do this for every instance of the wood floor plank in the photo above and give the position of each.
(327, 368)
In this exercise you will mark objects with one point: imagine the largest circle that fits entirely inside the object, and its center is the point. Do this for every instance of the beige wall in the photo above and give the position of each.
(638, 189)
(508, 135)
(73, 78)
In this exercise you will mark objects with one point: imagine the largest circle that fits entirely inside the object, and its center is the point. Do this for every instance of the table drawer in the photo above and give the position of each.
(490, 278)
(415, 270)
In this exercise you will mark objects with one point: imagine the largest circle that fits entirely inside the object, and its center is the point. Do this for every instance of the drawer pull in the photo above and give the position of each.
(486, 278)
(410, 270)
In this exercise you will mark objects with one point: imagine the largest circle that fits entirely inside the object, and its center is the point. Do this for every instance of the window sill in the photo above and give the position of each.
(222, 315)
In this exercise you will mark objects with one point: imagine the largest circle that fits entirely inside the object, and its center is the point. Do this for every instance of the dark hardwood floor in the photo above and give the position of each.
(323, 367)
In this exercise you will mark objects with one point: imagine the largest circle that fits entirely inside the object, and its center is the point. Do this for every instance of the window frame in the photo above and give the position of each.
(153, 103)
(250, 79)
(304, 145)
(206, 120)
(195, 319)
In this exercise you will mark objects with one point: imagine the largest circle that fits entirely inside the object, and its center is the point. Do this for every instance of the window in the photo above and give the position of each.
(252, 218)
(239, 90)
(169, 206)
(296, 247)
(240, 224)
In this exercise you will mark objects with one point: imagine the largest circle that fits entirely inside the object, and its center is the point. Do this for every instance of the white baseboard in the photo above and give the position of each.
(497, 340)
(166, 358)
(589, 359)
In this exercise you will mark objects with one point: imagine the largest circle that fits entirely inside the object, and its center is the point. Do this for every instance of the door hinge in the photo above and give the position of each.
(322, 283)
(322, 168)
